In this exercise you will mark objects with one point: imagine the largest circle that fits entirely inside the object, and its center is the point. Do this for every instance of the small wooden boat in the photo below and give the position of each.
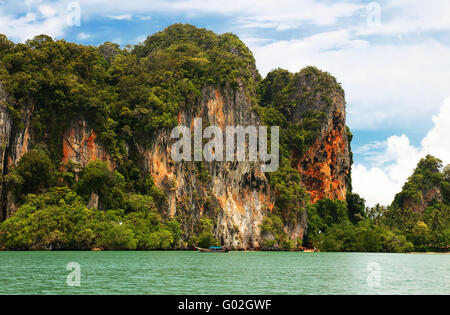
(212, 249)
(310, 250)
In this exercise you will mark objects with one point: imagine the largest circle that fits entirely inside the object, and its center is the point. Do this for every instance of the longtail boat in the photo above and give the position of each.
(212, 249)
(310, 250)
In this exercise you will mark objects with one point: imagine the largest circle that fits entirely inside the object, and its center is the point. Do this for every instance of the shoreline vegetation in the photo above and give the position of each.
(127, 96)
(230, 251)
(59, 220)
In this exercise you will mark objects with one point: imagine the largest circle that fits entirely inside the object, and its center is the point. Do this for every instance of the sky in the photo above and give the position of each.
(392, 58)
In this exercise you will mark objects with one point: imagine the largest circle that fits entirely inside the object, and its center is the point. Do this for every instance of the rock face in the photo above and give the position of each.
(80, 145)
(235, 194)
(15, 142)
(5, 126)
(326, 165)
(433, 193)
(5, 133)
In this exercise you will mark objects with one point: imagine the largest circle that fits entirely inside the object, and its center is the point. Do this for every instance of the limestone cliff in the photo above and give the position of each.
(237, 195)
(5, 132)
(311, 105)
(15, 142)
(132, 100)
(326, 164)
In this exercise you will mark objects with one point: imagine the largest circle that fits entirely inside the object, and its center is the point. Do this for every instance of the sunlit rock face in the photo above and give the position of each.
(235, 194)
(80, 145)
(325, 167)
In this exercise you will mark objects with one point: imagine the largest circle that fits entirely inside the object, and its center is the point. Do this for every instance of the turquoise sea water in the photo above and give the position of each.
(190, 272)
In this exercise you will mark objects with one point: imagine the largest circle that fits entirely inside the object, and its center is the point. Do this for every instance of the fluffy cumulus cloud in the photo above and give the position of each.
(394, 163)
(437, 141)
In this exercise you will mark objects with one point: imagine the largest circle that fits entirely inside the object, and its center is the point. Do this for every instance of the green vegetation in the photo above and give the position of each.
(274, 236)
(330, 229)
(282, 99)
(205, 237)
(32, 174)
(426, 176)
(59, 219)
(336, 226)
(422, 209)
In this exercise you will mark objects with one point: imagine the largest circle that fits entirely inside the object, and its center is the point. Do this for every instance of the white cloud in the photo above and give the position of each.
(281, 14)
(47, 11)
(123, 17)
(398, 16)
(145, 18)
(289, 14)
(401, 17)
(83, 36)
(22, 21)
(374, 185)
(437, 141)
(385, 82)
(391, 168)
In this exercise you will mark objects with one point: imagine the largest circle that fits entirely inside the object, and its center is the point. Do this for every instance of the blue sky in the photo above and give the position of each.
(392, 58)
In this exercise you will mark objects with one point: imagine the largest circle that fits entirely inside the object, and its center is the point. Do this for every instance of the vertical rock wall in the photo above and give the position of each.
(80, 145)
(326, 165)
(5, 134)
(236, 194)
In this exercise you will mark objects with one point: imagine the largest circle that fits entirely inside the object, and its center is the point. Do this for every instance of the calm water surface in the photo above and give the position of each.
(189, 272)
